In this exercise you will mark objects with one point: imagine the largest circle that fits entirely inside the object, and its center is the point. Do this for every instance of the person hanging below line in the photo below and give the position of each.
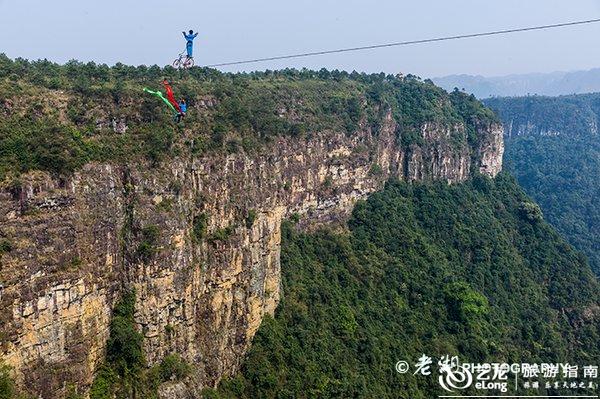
(179, 108)
(182, 110)
(171, 97)
(190, 42)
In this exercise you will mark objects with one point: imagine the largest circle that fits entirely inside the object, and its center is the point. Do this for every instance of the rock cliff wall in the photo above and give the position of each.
(213, 271)
(569, 116)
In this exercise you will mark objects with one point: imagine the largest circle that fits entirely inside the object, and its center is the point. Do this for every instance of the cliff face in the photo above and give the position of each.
(569, 116)
(201, 291)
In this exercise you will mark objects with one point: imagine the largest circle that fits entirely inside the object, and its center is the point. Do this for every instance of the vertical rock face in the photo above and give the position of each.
(570, 116)
(490, 149)
(213, 272)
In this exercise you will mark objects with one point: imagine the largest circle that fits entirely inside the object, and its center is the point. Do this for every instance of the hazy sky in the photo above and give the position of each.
(149, 32)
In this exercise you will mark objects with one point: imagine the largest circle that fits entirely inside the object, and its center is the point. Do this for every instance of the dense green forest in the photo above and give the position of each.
(562, 175)
(70, 109)
(432, 269)
(560, 169)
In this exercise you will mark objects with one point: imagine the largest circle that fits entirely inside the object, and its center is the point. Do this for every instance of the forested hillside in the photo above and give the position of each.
(469, 269)
(553, 148)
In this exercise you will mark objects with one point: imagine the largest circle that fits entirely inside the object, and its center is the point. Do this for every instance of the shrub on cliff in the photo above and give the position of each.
(250, 218)
(124, 356)
(7, 386)
(173, 367)
(5, 246)
(103, 386)
(124, 346)
(148, 246)
(200, 225)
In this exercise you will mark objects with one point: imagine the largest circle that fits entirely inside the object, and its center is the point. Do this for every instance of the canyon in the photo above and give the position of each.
(211, 270)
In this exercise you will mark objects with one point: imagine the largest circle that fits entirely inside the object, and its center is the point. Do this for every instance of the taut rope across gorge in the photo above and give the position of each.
(406, 43)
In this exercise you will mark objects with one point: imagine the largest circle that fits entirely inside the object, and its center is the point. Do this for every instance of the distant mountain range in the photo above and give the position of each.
(549, 84)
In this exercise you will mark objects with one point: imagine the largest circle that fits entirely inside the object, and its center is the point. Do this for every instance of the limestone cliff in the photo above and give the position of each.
(575, 116)
(205, 287)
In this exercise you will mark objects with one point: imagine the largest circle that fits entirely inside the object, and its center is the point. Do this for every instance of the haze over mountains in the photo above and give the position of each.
(548, 84)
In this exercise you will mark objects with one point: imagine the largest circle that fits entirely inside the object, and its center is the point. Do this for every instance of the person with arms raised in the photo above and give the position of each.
(190, 42)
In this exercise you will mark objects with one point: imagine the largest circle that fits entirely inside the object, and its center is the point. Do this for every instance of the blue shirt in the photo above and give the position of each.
(183, 107)
(190, 38)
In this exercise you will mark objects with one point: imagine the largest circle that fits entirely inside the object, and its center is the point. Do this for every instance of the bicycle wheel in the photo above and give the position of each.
(177, 63)
(188, 63)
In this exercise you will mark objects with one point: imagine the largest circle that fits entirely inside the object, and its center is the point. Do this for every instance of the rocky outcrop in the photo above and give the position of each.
(514, 128)
(575, 116)
(204, 285)
(490, 149)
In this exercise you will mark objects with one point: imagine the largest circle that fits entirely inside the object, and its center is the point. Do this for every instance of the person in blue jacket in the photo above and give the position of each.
(183, 108)
(190, 42)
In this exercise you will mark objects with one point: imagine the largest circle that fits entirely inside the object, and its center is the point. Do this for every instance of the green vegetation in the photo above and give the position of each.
(124, 375)
(72, 265)
(5, 246)
(7, 386)
(148, 246)
(200, 226)
(559, 171)
(426, 269)
(124, 347)
(57, 118)
(166, 205)
(124, 356)
(471, 110)
(561, 174)
(55, 148)
(222, 234)
(173, 367)
(465, 304)
(531, 211)
(376, 170)
(250, 218)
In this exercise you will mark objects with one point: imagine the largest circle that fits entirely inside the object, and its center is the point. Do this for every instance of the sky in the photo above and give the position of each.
(149, 32)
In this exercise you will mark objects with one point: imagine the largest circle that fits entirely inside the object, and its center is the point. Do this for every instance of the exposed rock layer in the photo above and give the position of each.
(204, 294)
